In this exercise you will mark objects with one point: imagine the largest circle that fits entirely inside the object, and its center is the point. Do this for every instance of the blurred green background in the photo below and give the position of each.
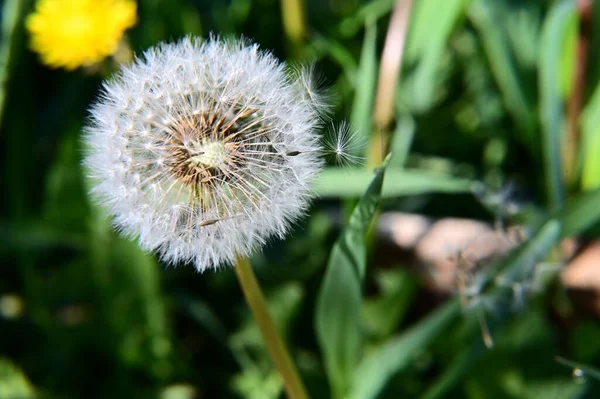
(485, 100)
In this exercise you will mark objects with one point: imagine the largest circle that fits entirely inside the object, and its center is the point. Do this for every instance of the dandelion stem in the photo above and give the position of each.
(277, 350)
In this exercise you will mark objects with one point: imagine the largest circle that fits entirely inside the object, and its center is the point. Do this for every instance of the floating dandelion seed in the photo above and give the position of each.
(343, 144)
(204, 150)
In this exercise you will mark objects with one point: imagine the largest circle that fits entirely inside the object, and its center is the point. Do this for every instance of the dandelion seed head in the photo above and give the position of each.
(203, 150)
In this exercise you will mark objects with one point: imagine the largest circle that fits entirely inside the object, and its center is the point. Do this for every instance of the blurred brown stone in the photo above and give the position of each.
(438, 249)
(438, 245)
(403, 229)
(581, 278)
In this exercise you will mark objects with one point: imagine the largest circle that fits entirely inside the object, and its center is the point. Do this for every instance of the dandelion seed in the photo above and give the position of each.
(313, 93)
(73, 33)
(204, 150)
(343, 144)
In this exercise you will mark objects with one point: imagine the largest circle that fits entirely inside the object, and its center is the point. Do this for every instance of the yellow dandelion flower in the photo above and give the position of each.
(74, 33)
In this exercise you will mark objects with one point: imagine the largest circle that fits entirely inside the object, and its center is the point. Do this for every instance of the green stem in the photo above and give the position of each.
(277, 350)
(293, 22)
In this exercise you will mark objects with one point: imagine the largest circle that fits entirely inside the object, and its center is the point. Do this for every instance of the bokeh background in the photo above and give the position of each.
(494, 126)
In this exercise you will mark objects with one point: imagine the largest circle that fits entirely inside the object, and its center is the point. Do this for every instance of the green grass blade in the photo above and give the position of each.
(590, 133)
(454, 372)
(11, 13)
(428, 14)
(520, 265)
(551, 105)
(396, 354)
(337, 316)
(326, 46)
(592, 372)
(579, 213)
(372, 10)
(362, 106)
(352, 182)
(432, 24)
(497, 48)
(402, 139)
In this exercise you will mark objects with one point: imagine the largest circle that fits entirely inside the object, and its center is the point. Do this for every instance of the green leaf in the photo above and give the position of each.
(13, 383)
(337, 315)
(396, 354)
(352, 182)
(382, 314)
(362, 106)
(555, 27)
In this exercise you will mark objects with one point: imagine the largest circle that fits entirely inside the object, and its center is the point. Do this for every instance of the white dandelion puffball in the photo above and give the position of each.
(203, 150)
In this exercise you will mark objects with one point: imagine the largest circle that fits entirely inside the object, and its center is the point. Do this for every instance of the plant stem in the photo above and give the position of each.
(575, 104)
(294, 22)
(277, 350)
(389, 73)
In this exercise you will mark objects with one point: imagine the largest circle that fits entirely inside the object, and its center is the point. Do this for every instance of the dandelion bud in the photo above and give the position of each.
(203, 150)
